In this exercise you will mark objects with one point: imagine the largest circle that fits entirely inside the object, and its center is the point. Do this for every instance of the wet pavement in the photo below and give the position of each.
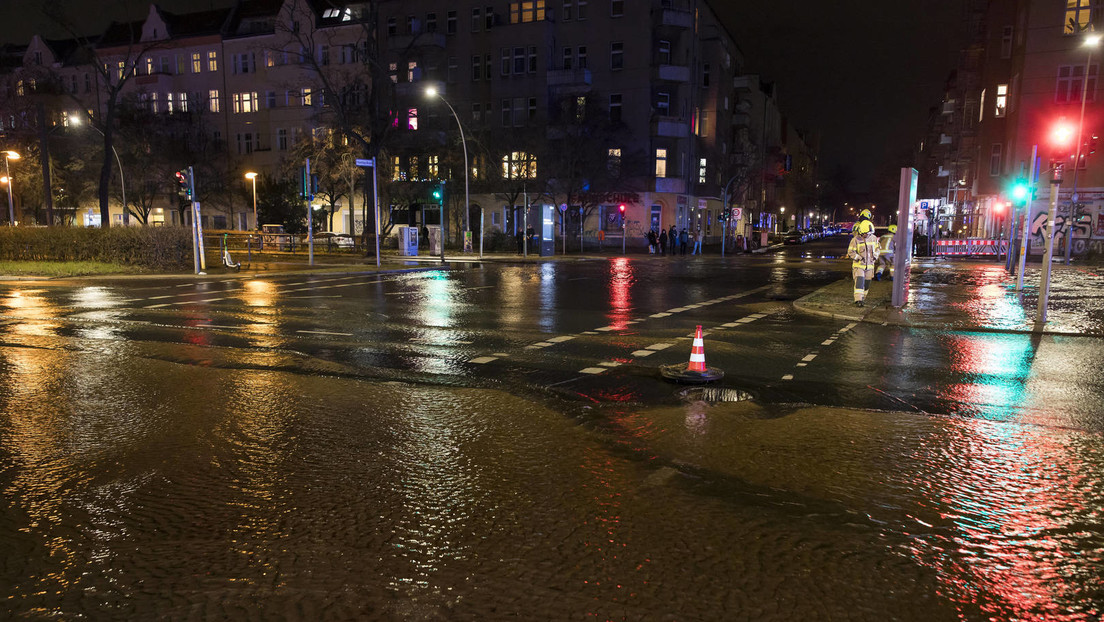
(977, 296)
(491, 442)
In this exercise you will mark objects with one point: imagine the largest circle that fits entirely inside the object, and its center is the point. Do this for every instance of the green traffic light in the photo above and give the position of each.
(1020, 191)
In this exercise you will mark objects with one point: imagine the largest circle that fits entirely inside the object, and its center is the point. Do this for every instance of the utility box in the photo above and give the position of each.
(547, 231)
(435, 240)
(408, 241)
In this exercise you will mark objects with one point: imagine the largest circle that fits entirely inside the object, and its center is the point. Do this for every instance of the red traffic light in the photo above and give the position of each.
(1061, 135)
(621, 208)
(1000, 207)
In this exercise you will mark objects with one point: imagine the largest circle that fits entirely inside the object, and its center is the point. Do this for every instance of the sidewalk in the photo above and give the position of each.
(971, 295)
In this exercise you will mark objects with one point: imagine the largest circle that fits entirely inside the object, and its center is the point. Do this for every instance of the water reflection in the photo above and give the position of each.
(36, 316)
(622, 276)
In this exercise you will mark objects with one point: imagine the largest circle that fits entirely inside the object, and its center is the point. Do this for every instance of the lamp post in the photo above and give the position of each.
(122, 183)
(1090, 42)
(10, 155)
(251, 176)
(433, 92)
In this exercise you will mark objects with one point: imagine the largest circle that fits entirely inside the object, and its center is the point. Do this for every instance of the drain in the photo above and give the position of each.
(716, 395)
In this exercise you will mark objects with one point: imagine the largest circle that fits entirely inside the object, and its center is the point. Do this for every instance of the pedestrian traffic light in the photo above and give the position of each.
(184, 183)
(438, 192)
(1000, 208)
(621, 208)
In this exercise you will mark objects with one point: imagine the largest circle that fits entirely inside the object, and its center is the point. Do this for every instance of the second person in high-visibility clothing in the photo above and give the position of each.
(885, 254)
(863, 251)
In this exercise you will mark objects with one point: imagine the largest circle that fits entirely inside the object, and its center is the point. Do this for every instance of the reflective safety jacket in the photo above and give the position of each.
(885, 244)
(863, 251)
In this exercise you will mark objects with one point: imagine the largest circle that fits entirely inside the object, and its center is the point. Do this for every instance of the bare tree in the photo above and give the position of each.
(114, 59)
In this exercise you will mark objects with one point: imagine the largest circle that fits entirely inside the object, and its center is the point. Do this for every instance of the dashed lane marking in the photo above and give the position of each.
(660, 346)
(562, 338)
(484, 360)
(593, 370)
(323, 332)
(643, 353)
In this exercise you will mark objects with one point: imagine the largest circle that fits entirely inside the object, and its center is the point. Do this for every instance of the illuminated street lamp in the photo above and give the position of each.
(251, 176)
(10, 155)
(433, 92)
(75, 120)
(1090, 43)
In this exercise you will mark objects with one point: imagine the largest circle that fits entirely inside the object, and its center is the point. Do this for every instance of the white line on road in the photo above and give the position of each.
(322, 332)
(484, 360)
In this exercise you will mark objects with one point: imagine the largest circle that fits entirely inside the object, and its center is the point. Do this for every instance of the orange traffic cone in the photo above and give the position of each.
(697, 352)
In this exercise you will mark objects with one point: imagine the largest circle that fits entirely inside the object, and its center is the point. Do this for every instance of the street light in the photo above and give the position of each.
(433, 92)
(10, 155)
(251, 176)
(1090, 42)
(75, 120)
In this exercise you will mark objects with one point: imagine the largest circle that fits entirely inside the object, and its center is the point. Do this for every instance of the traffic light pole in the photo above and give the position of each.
(1025, 226)
(1052, 216)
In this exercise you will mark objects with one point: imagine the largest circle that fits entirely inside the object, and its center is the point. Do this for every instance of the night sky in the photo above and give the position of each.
(863, 74)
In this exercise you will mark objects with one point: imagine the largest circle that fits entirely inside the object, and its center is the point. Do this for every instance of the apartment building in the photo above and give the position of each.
(1028, 76)
(586, 105)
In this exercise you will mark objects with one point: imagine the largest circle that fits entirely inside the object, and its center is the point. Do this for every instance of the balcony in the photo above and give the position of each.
(571, 80)
(674, 73)
(671, 127)
(744, 84)
(419, 40)
(676, 19)
(674, 185)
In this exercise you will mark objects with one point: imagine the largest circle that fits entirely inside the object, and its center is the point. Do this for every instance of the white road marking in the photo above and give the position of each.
(788, 377)
(593, 370)
(562, 338)
(827, 342)
(610, 364)
(642, 353)
(484, 359)
(322, 332)
(660, 315)
(660, 346)
(809, 357)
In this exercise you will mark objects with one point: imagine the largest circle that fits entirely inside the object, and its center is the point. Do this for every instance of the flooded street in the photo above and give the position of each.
(479, 445)
(236, 494)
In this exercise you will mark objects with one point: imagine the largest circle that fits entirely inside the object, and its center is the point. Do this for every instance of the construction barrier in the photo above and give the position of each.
(968, 247)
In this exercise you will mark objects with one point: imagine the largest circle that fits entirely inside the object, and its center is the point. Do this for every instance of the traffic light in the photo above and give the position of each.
(1000, 208)
(438, 192)
(1020, 191)
(1061, 135)
(184, 183)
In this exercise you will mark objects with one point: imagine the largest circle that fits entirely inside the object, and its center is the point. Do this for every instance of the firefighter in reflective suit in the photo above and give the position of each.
(863, 251)
(885, 254)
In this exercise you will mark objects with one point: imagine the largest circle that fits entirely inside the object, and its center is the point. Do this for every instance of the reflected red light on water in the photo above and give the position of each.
(622, 277)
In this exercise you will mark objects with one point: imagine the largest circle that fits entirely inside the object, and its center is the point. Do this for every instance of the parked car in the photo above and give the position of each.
(334, 240)
(793, 236)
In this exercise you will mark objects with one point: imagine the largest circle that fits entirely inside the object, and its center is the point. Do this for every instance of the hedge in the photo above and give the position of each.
(158, 248)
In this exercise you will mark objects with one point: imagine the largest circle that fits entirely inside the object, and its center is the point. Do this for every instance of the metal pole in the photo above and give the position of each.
(375, 202)
(1026, 226)
(1077, 158)
(11, 203)
(310, 224)
(255, 224)
(1044, 284)
(525, 222)
(122, 185)
(623, 233)
(724, 219)
(482, 229)
(441, 229)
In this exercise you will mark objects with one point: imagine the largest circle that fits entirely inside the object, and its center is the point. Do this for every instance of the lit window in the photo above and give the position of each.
(197, 62)
(433, 166)
(527, 11)
(661, 163)
(701, 171)
(613, 162)
(519, 165)
(1002, 100)
(1078, 16)
(412, 119)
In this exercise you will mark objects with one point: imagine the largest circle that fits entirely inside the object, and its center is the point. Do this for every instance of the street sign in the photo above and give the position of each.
(370, 162)
(737, 212)
(563, 207)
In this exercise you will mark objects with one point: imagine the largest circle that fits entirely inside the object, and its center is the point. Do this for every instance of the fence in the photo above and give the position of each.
(969, 248)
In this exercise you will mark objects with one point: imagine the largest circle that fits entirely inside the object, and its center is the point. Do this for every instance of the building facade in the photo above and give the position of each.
(580, 104)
